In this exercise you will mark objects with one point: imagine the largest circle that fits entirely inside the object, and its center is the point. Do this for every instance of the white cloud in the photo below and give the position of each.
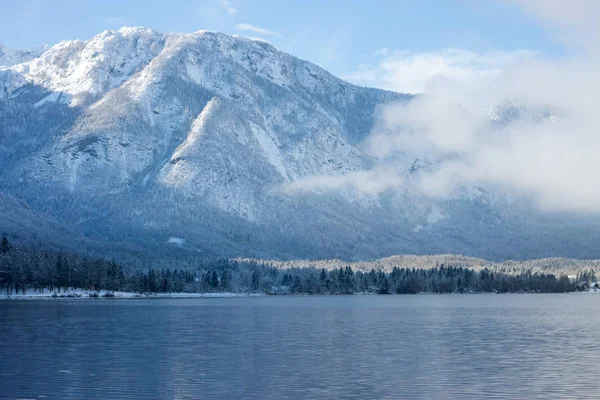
(370, 182)
(256, 29)
(229, 9)
(257, 39)
(410, 72)
(216, 12)
(548, 153)
(513, 121)
(384, 51)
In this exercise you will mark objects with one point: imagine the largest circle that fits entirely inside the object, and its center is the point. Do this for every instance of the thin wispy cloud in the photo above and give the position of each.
(257, 30)
(258, 39)
(228, 7)
(384, 51)
(365, 182)
(410, 72)
(216, 11)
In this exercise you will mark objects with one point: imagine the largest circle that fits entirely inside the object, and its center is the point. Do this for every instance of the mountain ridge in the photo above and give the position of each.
(10, 57)
(135, 137)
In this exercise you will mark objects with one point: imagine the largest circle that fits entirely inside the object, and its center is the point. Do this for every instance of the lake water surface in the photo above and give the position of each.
(414, 347)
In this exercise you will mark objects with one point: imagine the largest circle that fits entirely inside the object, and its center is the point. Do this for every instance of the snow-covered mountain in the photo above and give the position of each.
(10, 57)
(149, 141)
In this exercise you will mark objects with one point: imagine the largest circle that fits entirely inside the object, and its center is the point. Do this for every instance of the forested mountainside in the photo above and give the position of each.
(27, 270)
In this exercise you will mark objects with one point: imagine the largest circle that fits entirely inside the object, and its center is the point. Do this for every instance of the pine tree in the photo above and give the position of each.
(384, 287)
(61, 272)
(152, 286)
(323, 276)
(5, 245)
(206, 280)
(349, 280)
(214, 280)
(225, 280)
(296, 285)
(255, 280)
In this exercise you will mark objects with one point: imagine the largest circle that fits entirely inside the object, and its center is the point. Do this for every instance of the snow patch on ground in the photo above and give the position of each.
(177, 241)
(435, 215)
(270, 149)
(51, 98)
(72, 293)
(195, 73)
(178, 172)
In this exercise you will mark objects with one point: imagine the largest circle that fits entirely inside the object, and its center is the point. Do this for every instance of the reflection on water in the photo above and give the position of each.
(422, 347)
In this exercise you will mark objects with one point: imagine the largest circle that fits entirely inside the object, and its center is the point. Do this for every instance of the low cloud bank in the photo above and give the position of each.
(518, 121)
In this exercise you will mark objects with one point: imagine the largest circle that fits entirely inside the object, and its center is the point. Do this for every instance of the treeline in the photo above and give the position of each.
(25, 268)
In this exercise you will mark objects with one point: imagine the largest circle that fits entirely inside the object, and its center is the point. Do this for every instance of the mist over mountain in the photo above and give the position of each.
(142, 142)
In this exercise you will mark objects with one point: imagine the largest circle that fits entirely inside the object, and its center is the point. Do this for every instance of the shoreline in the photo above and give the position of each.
(107, 295)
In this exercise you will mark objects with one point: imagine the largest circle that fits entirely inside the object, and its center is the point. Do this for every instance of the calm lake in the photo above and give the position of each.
(413, 346)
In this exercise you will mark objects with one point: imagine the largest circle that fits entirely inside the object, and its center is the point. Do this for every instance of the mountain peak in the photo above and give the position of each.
(86, 69)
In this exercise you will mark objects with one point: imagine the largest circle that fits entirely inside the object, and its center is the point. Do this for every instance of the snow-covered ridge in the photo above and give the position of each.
(90, 68)
(162, 82)
(87, 69)
(10, 57)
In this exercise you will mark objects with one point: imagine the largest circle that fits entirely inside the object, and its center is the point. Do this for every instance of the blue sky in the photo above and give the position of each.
(344, 36)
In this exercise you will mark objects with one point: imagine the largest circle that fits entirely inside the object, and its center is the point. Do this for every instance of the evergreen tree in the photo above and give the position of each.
(225, 280)
(152, 285)
(214, 280)
(4, 245)
(384, 286)
(61, 272)
(256, 281)
(296, 285)
(323, 276)
(206, 281)
(349, 280)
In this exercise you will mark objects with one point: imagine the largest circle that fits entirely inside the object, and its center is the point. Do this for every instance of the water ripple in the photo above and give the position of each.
(356, 347)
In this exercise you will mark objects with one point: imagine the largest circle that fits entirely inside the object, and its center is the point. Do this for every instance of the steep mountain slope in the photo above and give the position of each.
(155, 140)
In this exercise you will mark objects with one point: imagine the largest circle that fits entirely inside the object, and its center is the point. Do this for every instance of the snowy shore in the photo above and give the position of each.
(105, 294)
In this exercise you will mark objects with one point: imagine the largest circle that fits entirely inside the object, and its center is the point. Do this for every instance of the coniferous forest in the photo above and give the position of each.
(24, 268)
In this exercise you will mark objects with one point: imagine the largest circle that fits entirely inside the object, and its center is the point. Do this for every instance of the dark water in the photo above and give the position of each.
(421, 347)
